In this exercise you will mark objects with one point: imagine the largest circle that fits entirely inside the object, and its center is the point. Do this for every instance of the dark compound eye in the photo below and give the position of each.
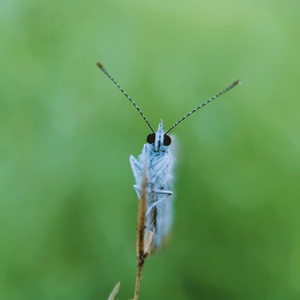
(167, 140)
(151, 138)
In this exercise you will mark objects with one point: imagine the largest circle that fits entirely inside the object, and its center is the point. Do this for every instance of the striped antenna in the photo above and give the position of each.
(211, 99)
(120, 88)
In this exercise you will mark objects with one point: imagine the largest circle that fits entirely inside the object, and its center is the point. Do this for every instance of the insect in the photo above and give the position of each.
(157, 161)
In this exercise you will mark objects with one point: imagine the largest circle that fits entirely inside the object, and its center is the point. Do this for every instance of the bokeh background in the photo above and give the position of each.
(67, 206)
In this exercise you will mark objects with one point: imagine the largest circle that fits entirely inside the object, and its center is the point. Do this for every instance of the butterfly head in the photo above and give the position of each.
(159, 140)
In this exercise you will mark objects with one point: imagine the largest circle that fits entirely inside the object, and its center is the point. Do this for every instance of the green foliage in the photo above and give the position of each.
(67, 206)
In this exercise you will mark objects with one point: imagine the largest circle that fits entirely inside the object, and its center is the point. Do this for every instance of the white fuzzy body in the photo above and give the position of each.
(158, 163)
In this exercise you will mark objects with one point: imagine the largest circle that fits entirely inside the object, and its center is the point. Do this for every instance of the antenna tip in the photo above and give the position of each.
(237, 82)
(99, 65)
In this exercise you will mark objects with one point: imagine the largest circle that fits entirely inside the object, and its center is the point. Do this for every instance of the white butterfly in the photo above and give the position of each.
(157, 161)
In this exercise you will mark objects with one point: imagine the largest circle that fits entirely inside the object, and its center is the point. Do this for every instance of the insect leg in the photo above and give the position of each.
(138, 190)
(136, 168)
(161, 192)
(156, 203)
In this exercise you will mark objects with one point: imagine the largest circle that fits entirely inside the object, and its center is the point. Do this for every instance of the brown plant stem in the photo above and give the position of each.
(141, 254)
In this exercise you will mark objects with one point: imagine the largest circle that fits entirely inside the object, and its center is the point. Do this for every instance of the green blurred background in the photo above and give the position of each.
(67, 206)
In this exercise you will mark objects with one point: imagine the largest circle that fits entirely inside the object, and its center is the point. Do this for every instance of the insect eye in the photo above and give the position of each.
(151, 138)
(167, 140)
